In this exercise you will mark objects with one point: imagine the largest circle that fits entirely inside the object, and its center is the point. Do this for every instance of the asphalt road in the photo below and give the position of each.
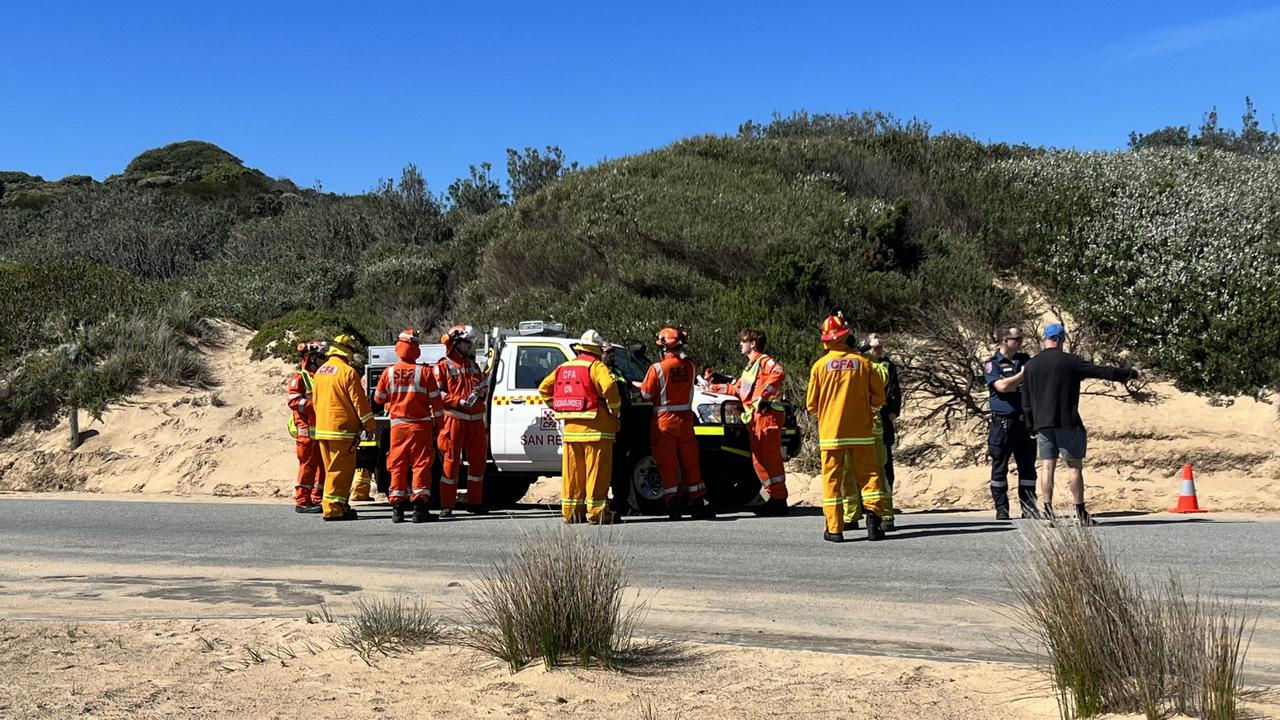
(935, 588)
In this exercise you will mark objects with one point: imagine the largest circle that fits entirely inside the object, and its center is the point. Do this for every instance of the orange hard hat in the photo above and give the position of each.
(670, 337)
(834, 327)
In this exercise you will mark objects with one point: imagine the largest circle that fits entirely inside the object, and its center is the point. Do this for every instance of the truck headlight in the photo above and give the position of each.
(710, 414)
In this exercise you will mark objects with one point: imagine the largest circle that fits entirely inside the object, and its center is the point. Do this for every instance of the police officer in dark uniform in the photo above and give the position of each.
(1008, 435)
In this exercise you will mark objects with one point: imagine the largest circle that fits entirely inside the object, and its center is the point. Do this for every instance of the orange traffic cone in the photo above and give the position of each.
(1187, 496)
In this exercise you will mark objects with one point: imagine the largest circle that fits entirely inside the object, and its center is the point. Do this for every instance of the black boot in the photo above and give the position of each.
(773, 507)
(874, 531)
(422, 513)
(397, 512)
(477, 509)
(1027, 498)
(348, 515)
(702, 510)
(446, 513)
(307, 509)
(675, 508)
(1000, 496)
(1084, 518)
(833, 537)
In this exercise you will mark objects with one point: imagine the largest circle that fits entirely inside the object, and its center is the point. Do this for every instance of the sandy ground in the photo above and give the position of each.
(290, 669)
(231, 442)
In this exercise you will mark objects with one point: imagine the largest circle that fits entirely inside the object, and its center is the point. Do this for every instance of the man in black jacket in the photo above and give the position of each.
(1051, 402)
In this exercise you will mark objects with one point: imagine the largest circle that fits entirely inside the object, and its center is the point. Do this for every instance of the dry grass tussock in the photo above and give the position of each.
(1112, 643)
(383, 626)
(559, 598)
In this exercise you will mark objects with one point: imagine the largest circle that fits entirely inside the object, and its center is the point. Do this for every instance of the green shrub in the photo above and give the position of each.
(385, 626)
(33, 295)
(96, 363)
(279, 337)
(558, 599)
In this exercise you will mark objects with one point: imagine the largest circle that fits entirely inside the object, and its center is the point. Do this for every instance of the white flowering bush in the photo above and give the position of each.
(1177, 251)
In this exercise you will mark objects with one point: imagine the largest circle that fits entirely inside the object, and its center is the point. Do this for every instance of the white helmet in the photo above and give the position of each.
(591, 341)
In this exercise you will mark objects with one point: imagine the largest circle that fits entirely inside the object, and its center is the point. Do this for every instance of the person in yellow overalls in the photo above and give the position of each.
(342, 411)
(844, 390)
(584, 396)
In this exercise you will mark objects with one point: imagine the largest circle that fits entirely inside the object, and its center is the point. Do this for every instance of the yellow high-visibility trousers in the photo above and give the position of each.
(853, 500)
(362, 486)
(339, 470)
(585, 473)
(850, 475)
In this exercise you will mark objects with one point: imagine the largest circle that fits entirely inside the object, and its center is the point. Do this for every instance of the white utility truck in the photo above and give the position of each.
(525, 439)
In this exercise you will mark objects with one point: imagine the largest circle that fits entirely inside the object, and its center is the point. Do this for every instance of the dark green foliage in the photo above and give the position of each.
(279, 337)
(476, 194)
(191, 157)
(33, 295)
(95, 362)
(1250, 140)
(530, 171)
(149, 235)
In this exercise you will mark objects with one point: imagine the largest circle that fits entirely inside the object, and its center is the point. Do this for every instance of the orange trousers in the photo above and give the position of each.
(850, 473)
(339, 470)
(413, 447)
(765, 433)
(459, 438)
(675, 450)
(310, 486)
(585, 472)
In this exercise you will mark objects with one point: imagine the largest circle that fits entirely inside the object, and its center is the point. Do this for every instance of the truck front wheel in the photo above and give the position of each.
(646, 486)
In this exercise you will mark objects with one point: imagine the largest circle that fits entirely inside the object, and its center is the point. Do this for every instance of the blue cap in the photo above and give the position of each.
(1054, 331)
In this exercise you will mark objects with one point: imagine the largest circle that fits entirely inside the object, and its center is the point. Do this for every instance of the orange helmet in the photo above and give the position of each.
(407, 348)
(670, 338)
(834, 327)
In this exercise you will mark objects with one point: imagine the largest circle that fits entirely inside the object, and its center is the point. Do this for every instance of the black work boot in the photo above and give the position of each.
(446, 513)
(307, 509)
(422, 513)
(1084, 518)
(1000, 497)
(874, 531)
(348, 515)
(397, 513)
(1046, 514)
(702, 510)
(1027, 498)
(833, 537)
(477, 509)
(675, 508)
(773, 507)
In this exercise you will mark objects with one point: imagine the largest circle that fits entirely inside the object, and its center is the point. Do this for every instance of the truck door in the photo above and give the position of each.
(524, 435)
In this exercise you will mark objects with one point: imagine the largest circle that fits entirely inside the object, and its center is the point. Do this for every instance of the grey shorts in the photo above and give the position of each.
(1067, 443)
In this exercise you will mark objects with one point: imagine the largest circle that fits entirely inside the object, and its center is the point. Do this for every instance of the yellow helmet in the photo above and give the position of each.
(343, 345)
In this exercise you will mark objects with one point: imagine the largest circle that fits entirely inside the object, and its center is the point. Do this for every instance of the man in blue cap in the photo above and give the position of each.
(1051, 402)
(1007, 436)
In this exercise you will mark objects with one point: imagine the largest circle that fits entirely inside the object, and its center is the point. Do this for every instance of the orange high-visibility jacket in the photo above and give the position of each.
(760, 381)
(342, 408)
(409, 392)
(600, 423)
(304, 414)
(844, 392)
(669, 384)
(459, 379)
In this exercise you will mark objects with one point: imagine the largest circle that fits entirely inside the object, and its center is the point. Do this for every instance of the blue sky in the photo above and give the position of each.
(347, 93)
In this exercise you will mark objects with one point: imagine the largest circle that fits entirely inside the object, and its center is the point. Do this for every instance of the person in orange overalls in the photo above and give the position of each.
(463, 389)
(408, 391)
(669, 385)
(845, 391)
(759, 387)
(342, 413)
(309, 488)
(584, 396)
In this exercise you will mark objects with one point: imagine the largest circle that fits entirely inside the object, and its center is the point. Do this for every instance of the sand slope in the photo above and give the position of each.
(230, 440)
